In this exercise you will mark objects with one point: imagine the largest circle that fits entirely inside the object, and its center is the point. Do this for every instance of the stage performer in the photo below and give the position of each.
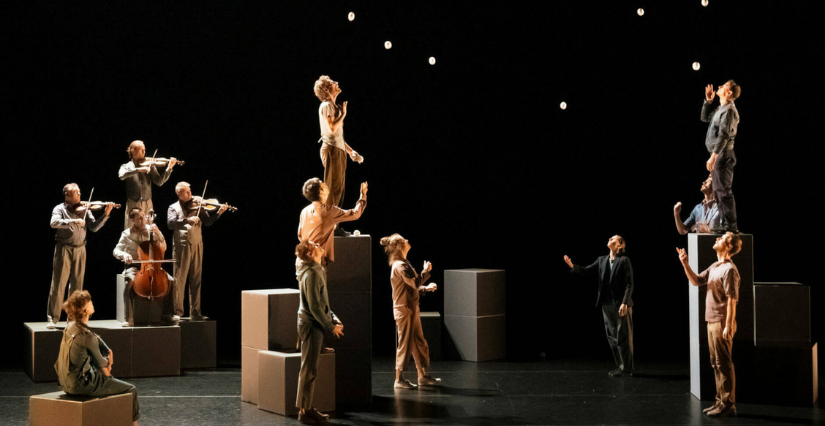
(69, 260)
(704, 217)
(722, 279)
(139, 179)
(614, 296)
(334, 149)
(127, 251)
(186, 222)
(406, 286)
(314, 317)
(318, 219)
(724, 121)
(84, 366)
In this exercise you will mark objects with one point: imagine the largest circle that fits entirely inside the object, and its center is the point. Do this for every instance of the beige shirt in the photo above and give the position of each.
(130, 240)
(722, 279)
(318, 224)
(406, 284)
(327, 109)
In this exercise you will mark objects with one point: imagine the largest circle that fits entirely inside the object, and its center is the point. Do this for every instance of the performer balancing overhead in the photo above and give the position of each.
(406, 286)
(334, 149)
(614, 297)
(724, 121)
(69, 260)
(314, 317)
(722, 281)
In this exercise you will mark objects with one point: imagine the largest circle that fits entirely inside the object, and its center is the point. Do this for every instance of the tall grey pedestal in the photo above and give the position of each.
(701, 255)
(349, 285)
(474, 312)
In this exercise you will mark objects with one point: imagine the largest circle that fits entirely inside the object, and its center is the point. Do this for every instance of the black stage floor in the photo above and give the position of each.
(491, 393)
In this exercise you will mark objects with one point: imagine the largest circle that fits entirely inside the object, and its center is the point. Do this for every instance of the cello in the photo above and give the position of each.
(151, 281)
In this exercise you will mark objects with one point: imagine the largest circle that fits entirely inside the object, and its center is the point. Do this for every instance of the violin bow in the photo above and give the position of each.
(88, 205)
(152, 164)
(203, 197)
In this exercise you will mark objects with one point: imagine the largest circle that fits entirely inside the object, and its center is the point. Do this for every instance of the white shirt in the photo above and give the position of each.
(327, 136)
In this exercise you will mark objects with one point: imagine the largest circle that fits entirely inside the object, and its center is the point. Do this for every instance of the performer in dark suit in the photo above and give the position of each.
(614, 297)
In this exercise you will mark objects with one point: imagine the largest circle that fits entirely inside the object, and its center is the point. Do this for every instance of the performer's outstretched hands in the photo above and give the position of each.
(432, 287)
(682, 255)
(427, 266)
(364, 189)
(568, 261)
(344, 107)
(709, 94)
(677, 208)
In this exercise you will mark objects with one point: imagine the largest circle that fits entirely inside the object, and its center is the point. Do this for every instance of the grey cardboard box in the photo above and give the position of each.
(57, 408)
(278, 382)
(269, 319)
(474, 292)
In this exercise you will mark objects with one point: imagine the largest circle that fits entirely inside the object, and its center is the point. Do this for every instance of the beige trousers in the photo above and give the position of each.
(68, 265)
(721, 360)
(410, 339)
(188, 270)
(335, 169)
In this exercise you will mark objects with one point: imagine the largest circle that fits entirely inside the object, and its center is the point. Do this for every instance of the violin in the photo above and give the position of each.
(151, 281)
(159, 161)
(93, 206)
(210, 205)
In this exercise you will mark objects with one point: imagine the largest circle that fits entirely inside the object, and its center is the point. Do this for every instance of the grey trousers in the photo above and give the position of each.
(98, 384)
(189, 269)
(146, 205)
(68, 265)
(312, 341)
(619, 334)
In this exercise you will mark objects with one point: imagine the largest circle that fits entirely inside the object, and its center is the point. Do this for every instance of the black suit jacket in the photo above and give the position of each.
(620, 282)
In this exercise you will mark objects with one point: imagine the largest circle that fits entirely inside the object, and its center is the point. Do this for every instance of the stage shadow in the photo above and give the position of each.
(780, 419)
(447, 390)
(389, 410)
(661, 376)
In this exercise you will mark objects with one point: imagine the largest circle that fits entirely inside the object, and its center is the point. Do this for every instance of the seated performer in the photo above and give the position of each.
(69, 261)
(187, 242)
(406, 285)
(722, 279)
(127, 251)
(704, 217)
(318, 219)
(139, 179)
(334, 149)
(614, 297)
(84, 366)
(314, 317)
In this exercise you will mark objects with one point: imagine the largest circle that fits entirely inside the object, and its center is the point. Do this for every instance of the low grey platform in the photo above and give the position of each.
(146, 311)
(278, 382)
(431, 324)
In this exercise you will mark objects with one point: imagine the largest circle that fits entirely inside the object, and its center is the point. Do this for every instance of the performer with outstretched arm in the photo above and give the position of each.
(139, 179)
(703, 217)
(84, 365)
(314, 317)
(722, 281)
(406, 286)
(69, 260)
(318, 220)
(334, 150)
(615, 289)
(724, 121)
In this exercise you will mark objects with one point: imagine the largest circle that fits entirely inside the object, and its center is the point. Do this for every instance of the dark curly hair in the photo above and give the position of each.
(303, 250)
(75, 306)
(312, 189)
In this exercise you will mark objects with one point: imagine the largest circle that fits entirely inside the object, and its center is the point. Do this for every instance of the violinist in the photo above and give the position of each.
(139, 179)
(127, 251)
(186, 218)
(69, 261)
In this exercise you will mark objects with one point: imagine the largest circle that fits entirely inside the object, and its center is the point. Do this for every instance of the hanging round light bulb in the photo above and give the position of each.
(351, 16)
(696, 66)
(705, 3)
(563, 105)
(432, 60)
(387, 45)
(641, 11)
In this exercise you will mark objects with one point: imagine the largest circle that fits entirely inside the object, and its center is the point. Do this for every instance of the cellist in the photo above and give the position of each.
(186, 222)
(127, 251)
(139, 179)
(69, 261)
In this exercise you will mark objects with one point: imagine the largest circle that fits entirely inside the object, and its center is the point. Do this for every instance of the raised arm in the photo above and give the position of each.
(696, 280)
(159, 179)
(95, 224)
(681, 226)
(341, 215)
(576, 269)
(58, 221)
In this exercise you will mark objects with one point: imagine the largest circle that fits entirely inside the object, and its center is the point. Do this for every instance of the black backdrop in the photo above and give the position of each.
(471, 159)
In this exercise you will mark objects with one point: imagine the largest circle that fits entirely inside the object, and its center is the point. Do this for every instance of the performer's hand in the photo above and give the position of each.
(568, 261)
(711, 164)
(338, 331)
(709, 93)
(109, 208)
(677, 208)
(127, 258)
(172, 162)
(344, 107)
(107, 371)
(194, 220)
(428, 266)
(223, 209)
(144, 170)
(364, 189)
(728, 333)
(432, 287)
(111, 358)
(682, 255)
(622, 310)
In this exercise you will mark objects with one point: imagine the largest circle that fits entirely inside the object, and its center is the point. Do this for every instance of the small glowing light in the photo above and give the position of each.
(387, 45)
(696, 66)
(563, 105)
(351, 16)
(356, 233)
(705, 3)
(640, 11)
(432, 60)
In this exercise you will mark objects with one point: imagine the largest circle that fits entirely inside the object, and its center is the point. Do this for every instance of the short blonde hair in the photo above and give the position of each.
(69, 187)
(322, 88)
(180, 186)
(132, 146)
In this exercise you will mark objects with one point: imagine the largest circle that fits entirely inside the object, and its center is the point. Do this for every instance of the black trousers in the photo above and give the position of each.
(619, 332)
(722, 177)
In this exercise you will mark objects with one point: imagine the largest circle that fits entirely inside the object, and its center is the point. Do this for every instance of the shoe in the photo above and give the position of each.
(340, 232)
(615, 373)
(198, 318)
(723, 411)
(428, 380)
(51, 325)
(711, 408)
(404, 384)
(125, 324)
(327, 351)
(312, 417)
(175, 317)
